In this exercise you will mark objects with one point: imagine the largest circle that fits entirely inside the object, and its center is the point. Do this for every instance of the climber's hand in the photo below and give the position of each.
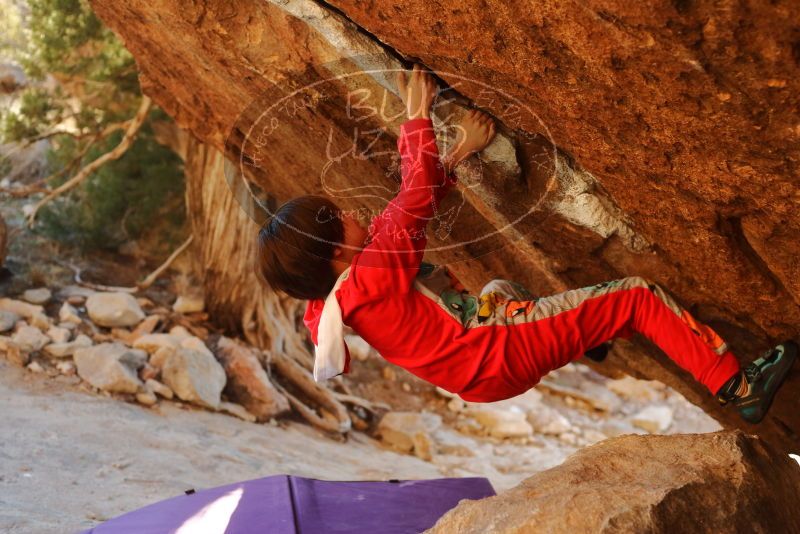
(417, 93)
(474, 133)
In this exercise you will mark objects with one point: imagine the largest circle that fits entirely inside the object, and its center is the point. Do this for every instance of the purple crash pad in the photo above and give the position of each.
(296, 505)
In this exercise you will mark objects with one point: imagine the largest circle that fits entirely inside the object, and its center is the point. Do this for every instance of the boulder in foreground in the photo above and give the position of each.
(720, 482)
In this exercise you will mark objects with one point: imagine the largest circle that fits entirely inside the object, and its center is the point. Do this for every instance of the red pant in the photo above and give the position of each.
(560, 328)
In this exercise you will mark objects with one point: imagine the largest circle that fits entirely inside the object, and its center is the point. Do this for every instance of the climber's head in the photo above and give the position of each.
(305, 245)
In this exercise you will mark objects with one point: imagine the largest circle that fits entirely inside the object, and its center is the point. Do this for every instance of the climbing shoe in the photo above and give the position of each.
(598, 353)
(764, 376)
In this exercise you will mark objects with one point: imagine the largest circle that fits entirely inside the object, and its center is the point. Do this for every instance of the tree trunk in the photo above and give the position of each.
(224, 253)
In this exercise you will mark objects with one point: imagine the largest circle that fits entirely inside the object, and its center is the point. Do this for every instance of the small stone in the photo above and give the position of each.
(547, 420)
(593, 436)
(34, 367)
(33, 313)
(179, 332)
(40, 321)
(14, 354)
(449, 442)
(161, 356)
(638, 390)
(148, 371)
(66, 368)
(153, 342)
(195, 343)
(456, 404)
(40, 295)
(653, 419)
(135, 358)
(8, 320)
(410, 431)
(68, 292)
(69, 326)
(424, 446)
(76, 300)
(58, 335)
(502, 423)
(68, 314)
(389, 374)
(237, 410)
(145, 327)
(158, 388)
(569, 438)
(468, 425)
(406, 386)
(593, 395)
(195, 376)
(18, 307)
(147, 398)
(145, 302)
(123, 334)
(30, 339)
(110, 367)
(62, 350)
(114, 309)
(358, 423)
(188, 304)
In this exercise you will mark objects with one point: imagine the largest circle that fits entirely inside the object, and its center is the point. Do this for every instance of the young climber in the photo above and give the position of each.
(488, 347)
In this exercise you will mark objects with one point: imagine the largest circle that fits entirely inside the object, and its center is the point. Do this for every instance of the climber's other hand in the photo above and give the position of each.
(474, 133)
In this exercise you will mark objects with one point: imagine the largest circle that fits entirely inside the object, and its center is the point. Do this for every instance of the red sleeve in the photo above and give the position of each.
(398, 233)
(311, 317)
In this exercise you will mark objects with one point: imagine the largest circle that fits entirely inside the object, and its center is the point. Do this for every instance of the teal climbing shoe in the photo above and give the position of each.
(765, 375)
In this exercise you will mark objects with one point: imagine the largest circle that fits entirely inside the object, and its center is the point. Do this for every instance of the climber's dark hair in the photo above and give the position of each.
(295, 247)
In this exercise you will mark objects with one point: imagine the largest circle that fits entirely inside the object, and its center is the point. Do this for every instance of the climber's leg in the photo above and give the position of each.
(563, 326)
(508, 289)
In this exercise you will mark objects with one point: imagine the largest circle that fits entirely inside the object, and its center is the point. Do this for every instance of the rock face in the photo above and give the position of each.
(720, 482)
(634, 143)
(410, 431)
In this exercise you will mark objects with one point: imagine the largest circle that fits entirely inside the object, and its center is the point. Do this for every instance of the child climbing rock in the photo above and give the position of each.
(488, 347)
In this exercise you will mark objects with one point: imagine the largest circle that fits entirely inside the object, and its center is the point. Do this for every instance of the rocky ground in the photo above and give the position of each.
(113, 401)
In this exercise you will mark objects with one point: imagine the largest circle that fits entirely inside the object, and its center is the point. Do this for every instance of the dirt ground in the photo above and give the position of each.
(69, 460)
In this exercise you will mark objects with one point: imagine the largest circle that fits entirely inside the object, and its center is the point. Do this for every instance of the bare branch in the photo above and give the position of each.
(39, 186)
(144, 284)
(127, 140)
(148, 281)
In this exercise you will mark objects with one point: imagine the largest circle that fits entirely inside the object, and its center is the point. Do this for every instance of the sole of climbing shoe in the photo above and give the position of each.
(754, 407)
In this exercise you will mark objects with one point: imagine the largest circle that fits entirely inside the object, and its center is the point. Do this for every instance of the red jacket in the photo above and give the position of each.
(413, 318)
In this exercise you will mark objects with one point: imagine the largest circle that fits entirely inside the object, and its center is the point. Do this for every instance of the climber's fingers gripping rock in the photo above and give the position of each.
(418, 92)
(474, 133)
